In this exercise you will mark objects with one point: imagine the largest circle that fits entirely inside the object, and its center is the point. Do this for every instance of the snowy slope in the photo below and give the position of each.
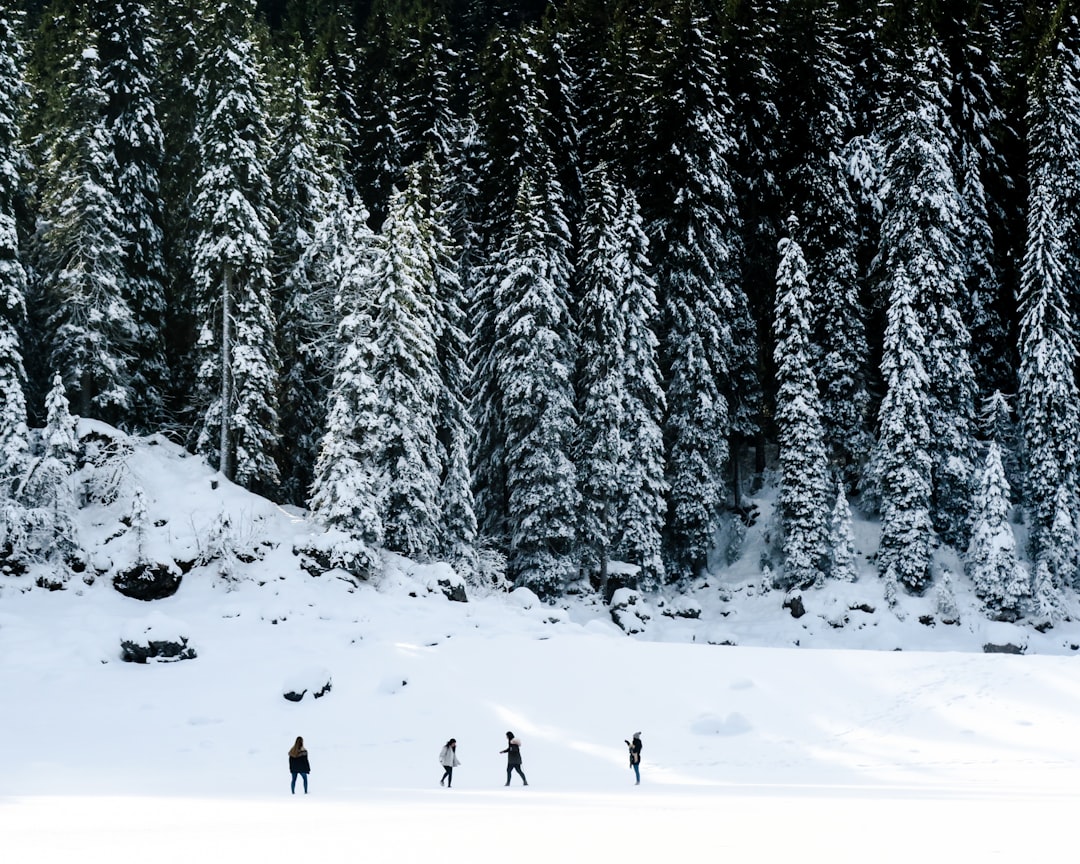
(751, 749)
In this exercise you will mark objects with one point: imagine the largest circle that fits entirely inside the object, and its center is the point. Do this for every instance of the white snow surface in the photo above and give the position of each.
(878, 738)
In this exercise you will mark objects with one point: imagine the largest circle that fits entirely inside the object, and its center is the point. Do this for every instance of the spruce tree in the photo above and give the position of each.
(693, 227)
(80, 256)
(842, 566)
(405, 370)
(347, 491)
(14, 435)
(643, 490)
(238, 367)
(301, 178)
(803, 466)
(1048, 395)
(47, 494)
(901, 464)
(129, 66)
(600, 379)
(533, 367)
(998, 577)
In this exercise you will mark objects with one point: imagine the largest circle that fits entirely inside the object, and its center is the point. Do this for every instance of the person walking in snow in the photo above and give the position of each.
(298, 763)
(448, 759)
(635, 757)
(513, 758)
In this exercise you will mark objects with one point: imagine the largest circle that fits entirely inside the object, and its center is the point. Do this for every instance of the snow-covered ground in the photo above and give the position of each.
(752, 753)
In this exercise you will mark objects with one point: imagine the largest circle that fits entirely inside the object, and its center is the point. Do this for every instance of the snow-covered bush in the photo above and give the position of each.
(315, 680)
(156, 638)
(630, 611)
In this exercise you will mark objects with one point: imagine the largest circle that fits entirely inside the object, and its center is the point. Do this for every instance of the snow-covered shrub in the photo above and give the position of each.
(682, 607)
(156, 638)
(630, 611)
(947, 608)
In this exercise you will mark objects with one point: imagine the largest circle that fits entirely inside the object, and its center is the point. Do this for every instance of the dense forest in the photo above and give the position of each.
(555, 285)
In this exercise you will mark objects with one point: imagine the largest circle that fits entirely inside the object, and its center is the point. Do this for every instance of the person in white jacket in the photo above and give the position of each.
(448, 759)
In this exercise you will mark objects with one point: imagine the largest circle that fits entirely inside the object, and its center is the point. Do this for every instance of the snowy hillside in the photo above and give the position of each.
(127, 760)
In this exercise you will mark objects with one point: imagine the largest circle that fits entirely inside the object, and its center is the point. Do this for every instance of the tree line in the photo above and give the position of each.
(553, 284)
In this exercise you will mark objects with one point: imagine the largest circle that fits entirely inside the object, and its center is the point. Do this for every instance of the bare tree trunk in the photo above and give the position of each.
(226, 371)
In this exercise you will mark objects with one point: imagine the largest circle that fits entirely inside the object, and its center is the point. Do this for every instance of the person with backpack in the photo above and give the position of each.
(298, 763)
(635, 757)
(448, 759)
(513, 758)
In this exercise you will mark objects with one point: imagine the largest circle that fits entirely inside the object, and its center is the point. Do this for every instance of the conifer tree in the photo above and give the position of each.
(238, 366)
(347, 491)
(901, 464)
(301, 177)
(693, 226)
(533, 367)
(50, 533)
(405, 371)
(842, 567)
(816, 122)
(999, 578)
(1048, 395)
(600, 379)
(803, 467)
(80, 255)
(454, 426)
(129, 63)
(643, 493)
(14, 435)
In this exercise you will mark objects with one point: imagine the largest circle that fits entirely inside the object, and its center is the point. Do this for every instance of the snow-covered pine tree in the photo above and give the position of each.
(693, 226)
(999, 579)
(453, 422)
(802, 500)
(533, 366)
(14, 435)
(842, 566)
(238, 368)
(79, 254)
(600, 377)
(47, 495)
(998, 424)
(301, 176)
(347, 491)
(643, 490)
(179, 23)
(405, 369)
(974, 41)
(816, 122)
(901, 464)
(129, 67)
(920, 243)
(1049, 401)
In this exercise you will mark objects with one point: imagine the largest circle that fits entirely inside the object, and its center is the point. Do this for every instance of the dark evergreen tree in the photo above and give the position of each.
(238, 362)
(533, 367)
(80, 257)
(802, 501)
(301, 178)
(693, 225)
(816, 123)
(920, 246)
(1048, 396)
(405, 372)
(347, 491)
(991, 562)
(129, 64)
(14, 435)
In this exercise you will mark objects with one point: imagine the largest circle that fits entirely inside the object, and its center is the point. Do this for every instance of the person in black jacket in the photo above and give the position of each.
(513, 758)
(635, 756)
(298, 763)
